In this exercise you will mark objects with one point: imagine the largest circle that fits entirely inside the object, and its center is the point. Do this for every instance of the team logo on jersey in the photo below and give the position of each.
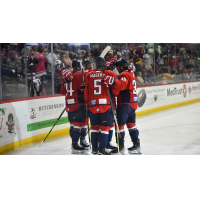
(93, 102)
(155, 97)
(184, 90)
(135, 99)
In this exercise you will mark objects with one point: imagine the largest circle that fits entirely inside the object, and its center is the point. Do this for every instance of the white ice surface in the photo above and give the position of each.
(174, 131)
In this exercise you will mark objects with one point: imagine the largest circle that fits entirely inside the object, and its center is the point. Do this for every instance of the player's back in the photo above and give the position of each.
(74, 96)
(129, 94)
(96, 94)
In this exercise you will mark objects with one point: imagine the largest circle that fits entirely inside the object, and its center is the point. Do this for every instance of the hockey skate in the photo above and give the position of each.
(84, 144)
(104, 151)
(94, 150)
(111, 146)
(121, 149)
(76, 148)
(135, 149)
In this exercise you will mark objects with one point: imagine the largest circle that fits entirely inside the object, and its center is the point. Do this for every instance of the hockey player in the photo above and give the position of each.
(100, 112)
(75, 106)
(127, 102)
(88, 64)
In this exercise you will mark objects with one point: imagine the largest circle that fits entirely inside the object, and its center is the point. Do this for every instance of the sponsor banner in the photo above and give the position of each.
(24, 119)
(162, 95)
(46, 123)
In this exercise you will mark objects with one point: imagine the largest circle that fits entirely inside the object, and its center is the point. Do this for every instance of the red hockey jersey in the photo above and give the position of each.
(74, 97)
(40, 68)
(126, 90)
(139, 51)
(96, 94)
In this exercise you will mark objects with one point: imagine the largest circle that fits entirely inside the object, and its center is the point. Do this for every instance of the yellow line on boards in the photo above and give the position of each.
(146, 112)
(31, 140)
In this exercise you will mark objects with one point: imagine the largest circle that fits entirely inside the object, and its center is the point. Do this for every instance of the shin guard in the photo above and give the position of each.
(104, 133)
(133, 131)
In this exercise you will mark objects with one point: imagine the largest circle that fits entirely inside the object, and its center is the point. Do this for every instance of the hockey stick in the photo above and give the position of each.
(88, 130)
(105, 51)
(52, 128)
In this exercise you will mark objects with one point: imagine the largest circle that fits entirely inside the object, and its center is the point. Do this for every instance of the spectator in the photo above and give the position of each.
(144, 64)
(119, 55)
(139, 79)
(172, 63)
(110, 55)
(160, 60)
(67, 60)
(8, 51)
(138, 66)
(149, 72)
(40, 70)
(34, 47)
(139, 52)
(144, 76)
(148, 58)
(55, 57)
(13, 59)
(185, 76)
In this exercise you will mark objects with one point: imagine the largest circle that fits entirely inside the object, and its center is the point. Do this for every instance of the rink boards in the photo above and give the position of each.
(25, 122)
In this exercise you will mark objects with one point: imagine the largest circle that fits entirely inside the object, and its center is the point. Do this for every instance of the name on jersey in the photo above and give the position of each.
(96, 75)
(70, 101)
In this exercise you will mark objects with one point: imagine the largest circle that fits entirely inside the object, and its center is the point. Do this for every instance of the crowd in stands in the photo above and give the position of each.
(173, 62)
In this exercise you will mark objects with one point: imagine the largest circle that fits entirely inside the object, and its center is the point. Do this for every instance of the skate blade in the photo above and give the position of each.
(122, 152)
(135, 152)
(86, 148)
(95, 153)
(77, 151)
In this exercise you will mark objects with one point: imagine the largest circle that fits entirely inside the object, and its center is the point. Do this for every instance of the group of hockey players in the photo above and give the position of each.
(94, 94)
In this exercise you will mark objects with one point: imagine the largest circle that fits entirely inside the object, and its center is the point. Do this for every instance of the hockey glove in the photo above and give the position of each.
(67, 75)
(108, 80)
(59, 65)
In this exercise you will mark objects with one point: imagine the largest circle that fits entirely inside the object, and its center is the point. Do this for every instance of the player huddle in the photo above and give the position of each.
(96, 93)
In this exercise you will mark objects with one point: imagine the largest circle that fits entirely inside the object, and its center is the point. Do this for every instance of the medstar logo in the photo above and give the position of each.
(184, 90)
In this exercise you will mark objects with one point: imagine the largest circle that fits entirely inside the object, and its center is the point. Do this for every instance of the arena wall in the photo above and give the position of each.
(26, 121)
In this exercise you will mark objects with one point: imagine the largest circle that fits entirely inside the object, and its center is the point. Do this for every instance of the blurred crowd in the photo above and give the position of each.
(159, 63)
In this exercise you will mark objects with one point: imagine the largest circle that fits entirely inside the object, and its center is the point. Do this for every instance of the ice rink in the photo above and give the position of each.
(174, 131)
